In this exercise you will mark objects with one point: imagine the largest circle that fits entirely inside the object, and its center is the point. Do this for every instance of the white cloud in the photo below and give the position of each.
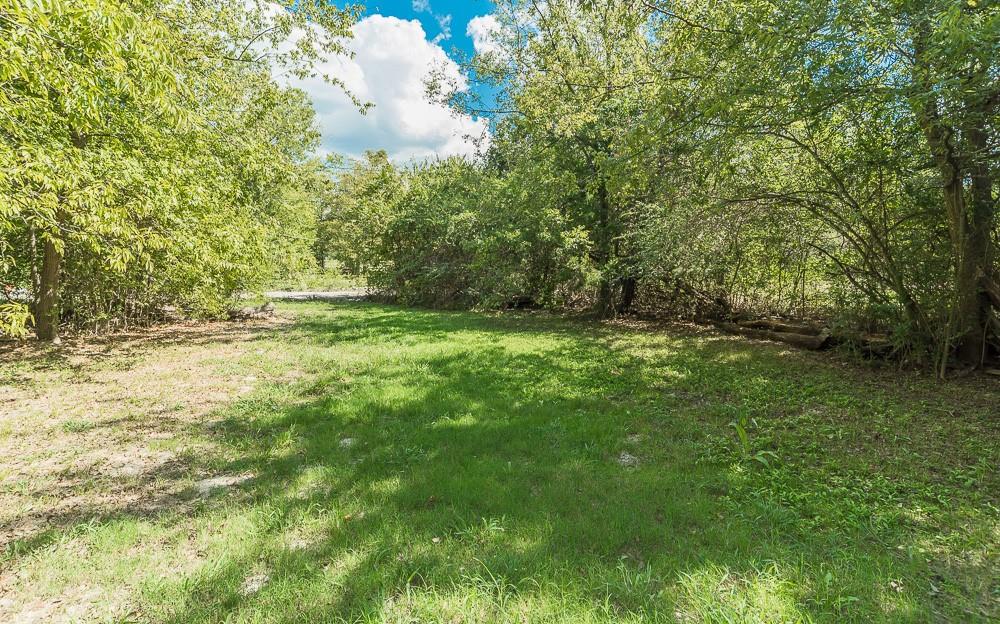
(483, 32)
(443, 20)
(444, 23)
(392, 59)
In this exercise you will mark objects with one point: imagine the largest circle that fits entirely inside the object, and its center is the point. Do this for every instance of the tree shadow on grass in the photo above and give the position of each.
(81, 352)
(495, 473)
(464, 466)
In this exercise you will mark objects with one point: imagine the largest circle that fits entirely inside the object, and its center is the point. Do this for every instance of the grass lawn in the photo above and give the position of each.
(363, 463)
(319, 280)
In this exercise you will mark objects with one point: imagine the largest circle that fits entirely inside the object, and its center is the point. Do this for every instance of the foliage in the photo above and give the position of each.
(149, 156)
(14, 319)
(452, 234)
(812, 159)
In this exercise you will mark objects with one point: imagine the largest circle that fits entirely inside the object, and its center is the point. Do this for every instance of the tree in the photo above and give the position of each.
(572, 77)
(148, 149)
(844, 90)
(714, 160)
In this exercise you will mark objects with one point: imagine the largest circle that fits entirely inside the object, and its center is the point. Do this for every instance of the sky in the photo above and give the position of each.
(396, 43)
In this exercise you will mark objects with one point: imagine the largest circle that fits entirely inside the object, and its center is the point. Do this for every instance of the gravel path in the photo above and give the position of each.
(329, 295)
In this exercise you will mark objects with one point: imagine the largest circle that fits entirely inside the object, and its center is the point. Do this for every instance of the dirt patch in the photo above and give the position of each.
(207, 487)
(628, 460)
(255, 583)
(103, 426)
(76, 604)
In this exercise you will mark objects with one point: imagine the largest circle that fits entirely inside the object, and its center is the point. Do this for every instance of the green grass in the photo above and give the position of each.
(415, 466)
(320, 280)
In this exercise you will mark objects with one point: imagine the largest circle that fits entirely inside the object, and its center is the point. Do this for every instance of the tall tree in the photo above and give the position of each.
(572, 77)
(845, 89)
(145, 134)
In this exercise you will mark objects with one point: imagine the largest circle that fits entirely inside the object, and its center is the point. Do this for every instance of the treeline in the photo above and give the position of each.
(149, 159)
(834, 160)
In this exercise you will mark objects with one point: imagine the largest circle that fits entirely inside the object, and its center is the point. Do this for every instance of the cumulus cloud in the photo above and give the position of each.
(483, 32)
(392, 59)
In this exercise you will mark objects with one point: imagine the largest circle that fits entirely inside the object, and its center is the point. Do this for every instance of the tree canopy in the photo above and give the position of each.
(717, 159)
(149, 157)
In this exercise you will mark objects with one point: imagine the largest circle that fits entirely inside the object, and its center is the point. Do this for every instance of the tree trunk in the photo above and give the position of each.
(628, 295)
(605, 299)
(602, 253)
(47, 300)
(968, 312)
(970, 218)
(973, 305)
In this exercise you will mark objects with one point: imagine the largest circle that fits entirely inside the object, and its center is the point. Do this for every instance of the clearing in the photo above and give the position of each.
(353, 462)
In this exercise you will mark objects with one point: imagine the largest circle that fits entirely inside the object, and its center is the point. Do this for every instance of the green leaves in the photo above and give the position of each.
(14, 319)
(815, 158)
(149, 142)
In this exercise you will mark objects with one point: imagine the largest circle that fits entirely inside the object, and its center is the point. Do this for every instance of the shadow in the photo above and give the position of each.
(81, 351)
(470, 466)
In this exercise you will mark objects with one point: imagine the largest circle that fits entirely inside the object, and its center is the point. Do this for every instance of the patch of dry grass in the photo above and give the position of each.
(97, 427)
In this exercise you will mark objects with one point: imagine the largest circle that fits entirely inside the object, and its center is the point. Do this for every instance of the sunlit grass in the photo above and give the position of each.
(318, 280)
(394, 465)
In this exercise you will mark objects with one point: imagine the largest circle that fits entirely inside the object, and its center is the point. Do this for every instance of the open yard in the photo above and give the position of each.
(351, 462)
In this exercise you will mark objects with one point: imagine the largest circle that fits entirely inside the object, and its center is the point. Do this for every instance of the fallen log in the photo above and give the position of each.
(778, 325)
(873, 345)
(813, 342)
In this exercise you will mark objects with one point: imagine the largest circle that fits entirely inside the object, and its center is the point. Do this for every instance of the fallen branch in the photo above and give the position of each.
(805, 341)
(873, 345)
(782, 326)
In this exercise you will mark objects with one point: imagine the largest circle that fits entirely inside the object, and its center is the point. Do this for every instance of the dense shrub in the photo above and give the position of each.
(830, 160)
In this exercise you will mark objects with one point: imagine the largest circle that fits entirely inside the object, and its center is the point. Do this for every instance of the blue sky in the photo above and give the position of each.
(461, 11)
(396, 44)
